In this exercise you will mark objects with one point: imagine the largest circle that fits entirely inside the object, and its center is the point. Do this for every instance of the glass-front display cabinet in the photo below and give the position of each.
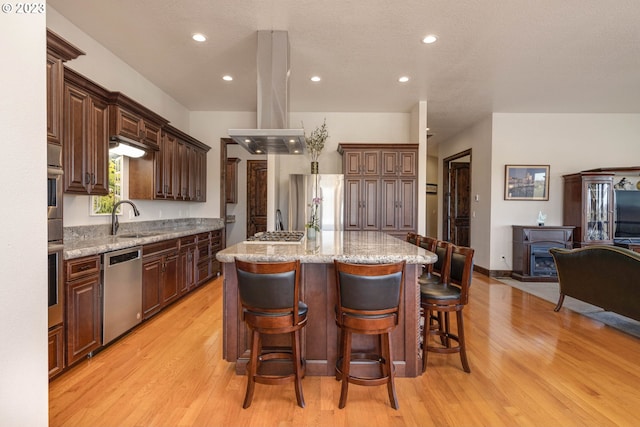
(588, 206)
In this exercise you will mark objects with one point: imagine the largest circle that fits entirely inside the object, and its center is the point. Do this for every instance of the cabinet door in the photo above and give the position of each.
(127, 124)
(370, 205)
(186, 275)
(55, 84)
(166, 168)
(389, 205)
(151, 134)
(56, 350)
(597, 202)
(182, 171)
(74, 137)
(98, 148)
(352, 203)
(201, 175)
(170, 284)
(86, 145)
(407, 205)
(151, 276)
(231, 181)
(352, 162)
(83, 317)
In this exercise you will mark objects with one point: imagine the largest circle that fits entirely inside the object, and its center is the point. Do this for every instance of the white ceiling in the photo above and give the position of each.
(555, 56)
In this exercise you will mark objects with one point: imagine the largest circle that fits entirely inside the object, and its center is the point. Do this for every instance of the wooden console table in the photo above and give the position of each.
(532, 261)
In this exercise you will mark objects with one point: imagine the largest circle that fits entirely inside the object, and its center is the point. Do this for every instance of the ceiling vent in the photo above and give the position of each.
(273, 135)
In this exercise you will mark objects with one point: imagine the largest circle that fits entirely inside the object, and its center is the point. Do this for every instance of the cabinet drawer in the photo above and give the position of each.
(188, 240)
(159, 247)
(203, 250)
(81, 267)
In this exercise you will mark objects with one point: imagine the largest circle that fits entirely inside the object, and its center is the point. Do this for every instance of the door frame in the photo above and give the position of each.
(446, 191)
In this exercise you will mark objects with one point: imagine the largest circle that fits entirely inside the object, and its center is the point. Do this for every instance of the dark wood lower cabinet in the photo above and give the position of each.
(56, 350)
(170, 269)
(83, 307)
(160, 285)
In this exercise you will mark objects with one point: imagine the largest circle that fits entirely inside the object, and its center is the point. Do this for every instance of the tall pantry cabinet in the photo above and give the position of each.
(380, 187)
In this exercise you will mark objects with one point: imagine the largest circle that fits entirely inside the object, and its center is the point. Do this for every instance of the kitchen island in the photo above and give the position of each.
(318, 291)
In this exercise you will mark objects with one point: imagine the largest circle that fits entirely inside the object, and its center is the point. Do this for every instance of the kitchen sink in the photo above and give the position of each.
(138, 235)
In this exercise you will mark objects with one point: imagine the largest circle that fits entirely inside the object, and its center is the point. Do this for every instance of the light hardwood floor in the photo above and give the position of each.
(529, 367)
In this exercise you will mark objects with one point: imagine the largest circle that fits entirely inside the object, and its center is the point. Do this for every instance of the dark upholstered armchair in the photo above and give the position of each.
(606, 276)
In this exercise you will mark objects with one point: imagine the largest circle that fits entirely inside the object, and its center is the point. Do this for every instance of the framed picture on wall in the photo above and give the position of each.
(526, 182)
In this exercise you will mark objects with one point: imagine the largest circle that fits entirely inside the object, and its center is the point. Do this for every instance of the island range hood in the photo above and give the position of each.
(273, 135)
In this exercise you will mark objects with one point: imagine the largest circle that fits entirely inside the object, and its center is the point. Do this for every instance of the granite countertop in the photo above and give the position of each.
(93, 240)
(348, 246)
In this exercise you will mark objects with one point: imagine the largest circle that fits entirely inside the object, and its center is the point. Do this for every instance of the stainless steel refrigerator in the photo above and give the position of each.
(303, 189)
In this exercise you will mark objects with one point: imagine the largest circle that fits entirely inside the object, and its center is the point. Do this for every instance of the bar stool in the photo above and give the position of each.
(368, 303)
(442, 298)
(270, 298)
(432, 274)
(412, 238)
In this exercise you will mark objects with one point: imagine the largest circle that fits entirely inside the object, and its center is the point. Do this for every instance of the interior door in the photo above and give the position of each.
(256, 196)
(460, 205)
(456, 198)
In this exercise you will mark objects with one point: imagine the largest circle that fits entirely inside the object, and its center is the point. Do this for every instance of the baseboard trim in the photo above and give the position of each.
(492, 273)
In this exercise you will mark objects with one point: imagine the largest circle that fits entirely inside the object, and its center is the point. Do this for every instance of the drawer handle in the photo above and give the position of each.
(84, 267)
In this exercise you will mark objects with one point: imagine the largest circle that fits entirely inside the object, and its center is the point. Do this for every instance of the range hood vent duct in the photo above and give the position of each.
(273, 135)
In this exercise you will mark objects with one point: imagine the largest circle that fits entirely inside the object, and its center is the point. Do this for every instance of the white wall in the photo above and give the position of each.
(569, 143)
(23, 241)
(478, 139)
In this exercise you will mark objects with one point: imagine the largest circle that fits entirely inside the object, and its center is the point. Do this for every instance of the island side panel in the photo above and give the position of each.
(320, 336)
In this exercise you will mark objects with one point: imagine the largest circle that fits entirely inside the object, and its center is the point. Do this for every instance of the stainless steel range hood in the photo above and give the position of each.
(273, 135)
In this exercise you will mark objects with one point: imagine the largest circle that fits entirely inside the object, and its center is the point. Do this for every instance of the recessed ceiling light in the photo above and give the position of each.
(403, 79)
(199, 37)
(429, 39)
(227, 78)
(315, 79)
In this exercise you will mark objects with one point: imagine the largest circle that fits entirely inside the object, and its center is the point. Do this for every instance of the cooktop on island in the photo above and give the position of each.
(276, 237)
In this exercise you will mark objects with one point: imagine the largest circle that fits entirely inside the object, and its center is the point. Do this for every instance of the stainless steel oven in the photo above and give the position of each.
(55, 286)
(54, 192)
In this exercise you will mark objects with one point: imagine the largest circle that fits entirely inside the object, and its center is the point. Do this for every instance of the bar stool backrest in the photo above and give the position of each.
(461, 270)
(369, 288)
(270, 288)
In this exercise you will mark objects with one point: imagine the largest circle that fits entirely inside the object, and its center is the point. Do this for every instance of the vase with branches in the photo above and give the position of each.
(315, 143)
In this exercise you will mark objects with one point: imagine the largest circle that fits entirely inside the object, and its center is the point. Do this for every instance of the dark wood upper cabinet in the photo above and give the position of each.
(231, 190)
(85, 136)
(134, 121)
(58, 52)
(380, 187)
(177, 171)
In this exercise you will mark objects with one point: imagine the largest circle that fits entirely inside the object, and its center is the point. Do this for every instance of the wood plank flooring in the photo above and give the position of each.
(529, 367)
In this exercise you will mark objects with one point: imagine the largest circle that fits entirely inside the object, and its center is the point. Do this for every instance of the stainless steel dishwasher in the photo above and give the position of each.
(122, 299)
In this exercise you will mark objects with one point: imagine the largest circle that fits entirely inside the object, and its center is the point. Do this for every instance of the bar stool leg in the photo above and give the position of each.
(461, 343)
(388, 367)
(297, 363)
(252, 368)
(346, 364)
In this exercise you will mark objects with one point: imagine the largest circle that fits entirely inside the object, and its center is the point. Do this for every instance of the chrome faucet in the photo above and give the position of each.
(114, 219)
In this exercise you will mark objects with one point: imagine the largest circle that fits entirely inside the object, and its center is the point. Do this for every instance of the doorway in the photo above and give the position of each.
(256, 196)
(456, 200)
